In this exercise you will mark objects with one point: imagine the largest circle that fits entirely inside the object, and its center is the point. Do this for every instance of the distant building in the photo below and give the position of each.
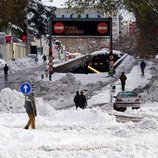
(11, 48)
(89, 44)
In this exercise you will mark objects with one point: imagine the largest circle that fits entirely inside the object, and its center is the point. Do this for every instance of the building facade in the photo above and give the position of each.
(88, 45)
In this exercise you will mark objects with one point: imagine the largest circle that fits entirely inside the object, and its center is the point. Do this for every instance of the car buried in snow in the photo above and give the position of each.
(126, 99)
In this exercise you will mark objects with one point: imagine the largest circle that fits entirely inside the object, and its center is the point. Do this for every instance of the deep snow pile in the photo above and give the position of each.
(62, 88)
(77, 133)
(13, 101)
(2, 63)
(23, 63)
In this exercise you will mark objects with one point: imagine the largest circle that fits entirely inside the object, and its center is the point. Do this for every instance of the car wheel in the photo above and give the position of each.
(135, 108)
(115, 108)
(123, 109)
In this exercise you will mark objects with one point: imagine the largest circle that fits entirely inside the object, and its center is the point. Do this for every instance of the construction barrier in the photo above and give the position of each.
(94, 70)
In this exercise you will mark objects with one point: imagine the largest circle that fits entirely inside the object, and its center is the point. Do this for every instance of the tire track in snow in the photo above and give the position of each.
(89, 147)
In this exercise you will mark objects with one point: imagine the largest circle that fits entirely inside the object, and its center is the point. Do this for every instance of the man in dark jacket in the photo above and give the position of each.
(76, 99)
(30, 110)
(6, 69)
(82, 100)
(142, 66)
(44, 58)
(123, 80)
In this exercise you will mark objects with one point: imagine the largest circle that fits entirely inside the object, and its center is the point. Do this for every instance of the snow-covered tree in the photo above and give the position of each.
(18, 15)
(38, 15)
(145, 12)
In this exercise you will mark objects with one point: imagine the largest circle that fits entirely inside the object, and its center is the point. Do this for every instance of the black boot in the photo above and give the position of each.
(26, 127)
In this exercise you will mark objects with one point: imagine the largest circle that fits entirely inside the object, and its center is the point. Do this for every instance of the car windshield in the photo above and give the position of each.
(127, 94)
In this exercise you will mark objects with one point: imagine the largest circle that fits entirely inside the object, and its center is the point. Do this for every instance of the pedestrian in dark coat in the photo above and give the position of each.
(6, 69)
(82, 100)
(76, 99)
(30, 110)
(123, 79)
(142, 66)
(44, 58)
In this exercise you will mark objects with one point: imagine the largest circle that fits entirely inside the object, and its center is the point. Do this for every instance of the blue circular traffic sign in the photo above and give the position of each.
(25, 88)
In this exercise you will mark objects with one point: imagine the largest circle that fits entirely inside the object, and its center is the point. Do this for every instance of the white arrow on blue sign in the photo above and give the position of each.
(25, 88)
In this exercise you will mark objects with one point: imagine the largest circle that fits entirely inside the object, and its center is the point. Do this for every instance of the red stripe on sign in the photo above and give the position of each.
(58, 28)
(102, 28)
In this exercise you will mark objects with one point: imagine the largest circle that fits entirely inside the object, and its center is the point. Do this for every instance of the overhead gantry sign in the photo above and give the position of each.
(81, 27)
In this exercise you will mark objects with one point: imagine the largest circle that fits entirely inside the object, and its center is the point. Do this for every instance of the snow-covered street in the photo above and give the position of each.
(93, 132)
(78, 133)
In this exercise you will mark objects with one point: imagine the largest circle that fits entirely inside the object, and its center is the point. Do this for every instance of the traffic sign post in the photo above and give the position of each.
(50, 68)
(50, 36)
(25, 88)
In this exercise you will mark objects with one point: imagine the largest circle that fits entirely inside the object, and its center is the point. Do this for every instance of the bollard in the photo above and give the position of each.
(42, 76)
(46, 74)
(50, 77)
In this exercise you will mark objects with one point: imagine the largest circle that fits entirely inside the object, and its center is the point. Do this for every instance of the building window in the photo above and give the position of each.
(71, 15)
(79, 15)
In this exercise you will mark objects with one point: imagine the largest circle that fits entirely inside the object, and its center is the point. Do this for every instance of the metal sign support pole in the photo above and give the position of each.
(111, 95)
(50, 35)
(111, 46)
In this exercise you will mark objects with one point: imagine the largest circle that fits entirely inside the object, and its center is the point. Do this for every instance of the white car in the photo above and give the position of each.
(126, 99)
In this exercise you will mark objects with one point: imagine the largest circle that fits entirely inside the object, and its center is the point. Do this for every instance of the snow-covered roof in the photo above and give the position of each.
(106, 51)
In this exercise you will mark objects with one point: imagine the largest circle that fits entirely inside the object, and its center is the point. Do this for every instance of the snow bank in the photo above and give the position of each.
(87, 117)
(13, 101)
(23, 63)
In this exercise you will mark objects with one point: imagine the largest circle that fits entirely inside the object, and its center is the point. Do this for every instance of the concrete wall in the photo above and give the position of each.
(15, 50)
(12, 50)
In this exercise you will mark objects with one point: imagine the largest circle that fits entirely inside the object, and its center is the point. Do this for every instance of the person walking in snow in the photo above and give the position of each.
(82, 100)
(30, 110)
(44, 58)
(123, 79)
(6, 69)
(76, 99)
(142, 66)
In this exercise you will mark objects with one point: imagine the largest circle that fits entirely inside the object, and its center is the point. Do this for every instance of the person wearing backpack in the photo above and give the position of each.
(30, 110)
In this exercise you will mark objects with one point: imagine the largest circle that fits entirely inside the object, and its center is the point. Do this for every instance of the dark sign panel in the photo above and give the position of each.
(81, 27)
